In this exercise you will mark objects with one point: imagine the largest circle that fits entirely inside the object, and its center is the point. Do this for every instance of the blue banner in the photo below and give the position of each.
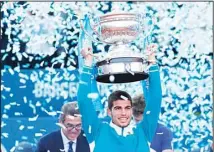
(39, 90)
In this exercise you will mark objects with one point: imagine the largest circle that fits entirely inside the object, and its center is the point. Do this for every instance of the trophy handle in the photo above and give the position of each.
(141, 28)
(91, 37)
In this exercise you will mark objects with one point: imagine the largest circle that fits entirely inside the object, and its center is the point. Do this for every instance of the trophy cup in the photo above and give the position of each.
(121, 64)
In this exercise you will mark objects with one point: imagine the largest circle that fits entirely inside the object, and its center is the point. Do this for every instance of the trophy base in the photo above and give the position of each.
(121, 70)
(121, 77)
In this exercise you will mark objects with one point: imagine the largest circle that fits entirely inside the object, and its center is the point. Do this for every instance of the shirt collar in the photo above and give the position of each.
(123, 131)
(116, 128)
(66, 140)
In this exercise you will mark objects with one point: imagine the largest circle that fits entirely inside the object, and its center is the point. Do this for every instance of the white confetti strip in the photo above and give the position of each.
(33, 118)
(5, 134)
(38, 134)
(77, 115)
(17, 113)
(11, 71)
(61, 125)
(5, 116)
(123, 97)
(25, 99)
(159, 133)
(3, 124)
(21, 127)
(30, 127)
(93, 95)
(148, 112)
(13, 148)
(24, 137)
(7, 107)
(23, 81)
(43, 130)
(89, 129)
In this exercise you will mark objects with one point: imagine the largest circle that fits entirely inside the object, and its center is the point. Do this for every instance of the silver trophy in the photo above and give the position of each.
(121, 64)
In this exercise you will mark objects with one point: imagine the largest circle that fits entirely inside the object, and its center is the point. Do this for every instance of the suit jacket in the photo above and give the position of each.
(54, 143)
(162, 140)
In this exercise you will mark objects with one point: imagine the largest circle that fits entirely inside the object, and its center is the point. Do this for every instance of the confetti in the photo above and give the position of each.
(77, 115)
(93, 95)
(38, 134)
(183, 32)
(30, 127)
(7, 107)
(21, 127)
(89, 129)
(33, 118)
(5, 134)
(148, 112)
(13, 148)
(123, 97)
(61, 125)
(43, 130)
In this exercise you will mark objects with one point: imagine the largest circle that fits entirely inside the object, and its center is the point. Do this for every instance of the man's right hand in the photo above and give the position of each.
(88, 56)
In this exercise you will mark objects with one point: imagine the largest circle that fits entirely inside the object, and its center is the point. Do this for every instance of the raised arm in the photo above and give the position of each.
(153, 96)
(90, 119)
(97, 98)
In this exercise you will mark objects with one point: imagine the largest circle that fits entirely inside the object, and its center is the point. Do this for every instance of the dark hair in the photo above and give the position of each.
(25, 147)
(139, 105)
(118, 95)
(69, 108)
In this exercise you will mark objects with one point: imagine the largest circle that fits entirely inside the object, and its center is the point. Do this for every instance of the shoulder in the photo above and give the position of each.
(82, 136)
(83, 140)
(164, 129)
(50, 136)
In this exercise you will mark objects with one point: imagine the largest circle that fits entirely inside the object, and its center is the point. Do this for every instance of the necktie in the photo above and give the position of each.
(70, 149)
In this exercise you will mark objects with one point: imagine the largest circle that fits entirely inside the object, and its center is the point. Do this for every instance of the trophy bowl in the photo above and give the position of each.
(113, 28)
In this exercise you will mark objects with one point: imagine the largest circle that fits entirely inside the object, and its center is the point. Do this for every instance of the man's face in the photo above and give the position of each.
(138, 118)
(121, 112)
(73, 126)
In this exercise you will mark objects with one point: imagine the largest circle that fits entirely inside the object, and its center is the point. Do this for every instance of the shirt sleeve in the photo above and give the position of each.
(90, 121)
(167, 139)
(145, 85)
(94, 90)
(153, 95)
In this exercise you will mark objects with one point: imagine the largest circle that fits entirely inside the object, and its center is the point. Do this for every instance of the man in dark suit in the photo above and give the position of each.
(162, 140)
(70, 138)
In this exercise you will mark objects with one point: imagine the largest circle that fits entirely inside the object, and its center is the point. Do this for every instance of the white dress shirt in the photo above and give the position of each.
(66, 143)
(123, 131)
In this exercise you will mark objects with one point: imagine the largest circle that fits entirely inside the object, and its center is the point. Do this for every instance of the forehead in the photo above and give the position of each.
(72, 119)
(121, 103)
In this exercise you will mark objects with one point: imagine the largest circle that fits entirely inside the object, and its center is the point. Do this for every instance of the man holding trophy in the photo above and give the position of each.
(120, 135)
